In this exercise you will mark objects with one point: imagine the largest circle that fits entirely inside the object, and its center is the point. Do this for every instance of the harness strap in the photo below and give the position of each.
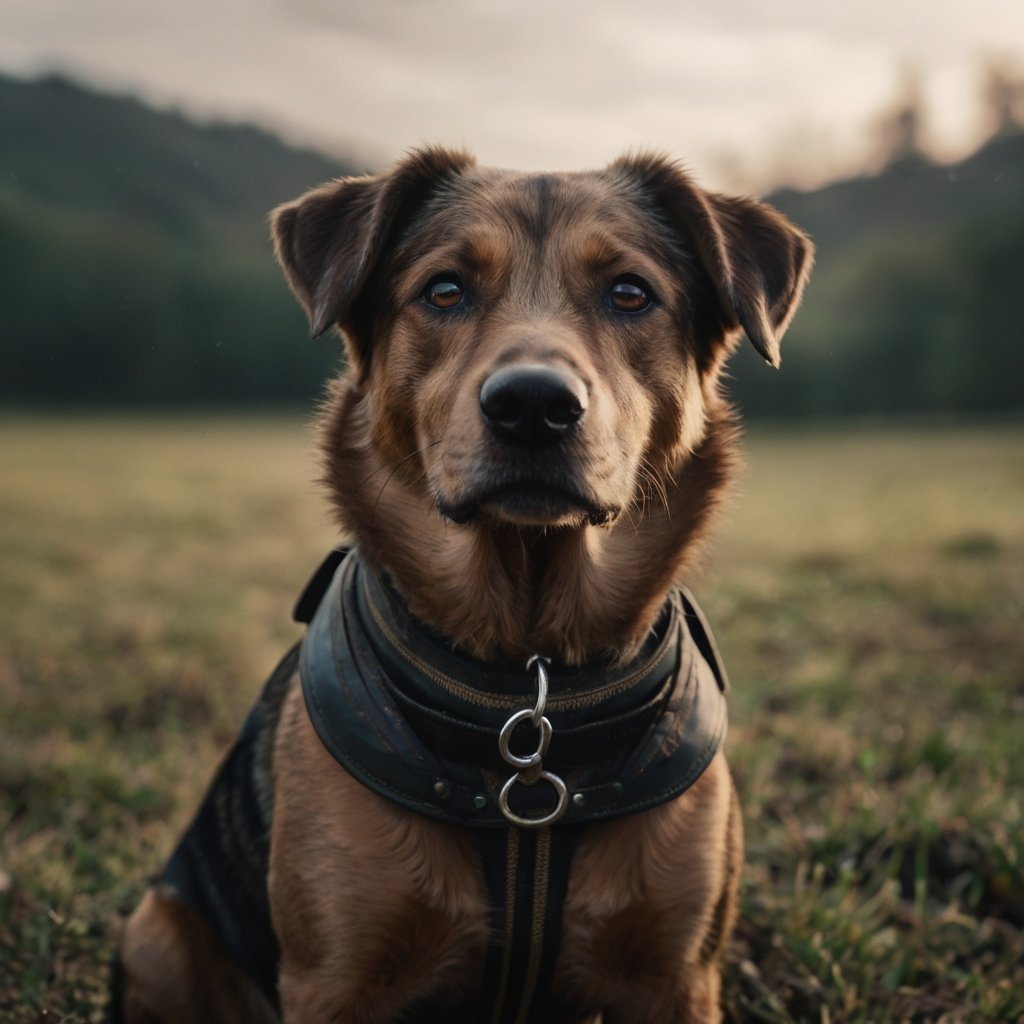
(316, 586)
(527, 875)
(219, 869)
(366, 714)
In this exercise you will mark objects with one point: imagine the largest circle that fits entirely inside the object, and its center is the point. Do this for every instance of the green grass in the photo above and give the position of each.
(867, 592)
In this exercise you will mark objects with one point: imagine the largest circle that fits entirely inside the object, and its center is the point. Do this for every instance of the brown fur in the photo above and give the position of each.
(376, 907)
(177, 972)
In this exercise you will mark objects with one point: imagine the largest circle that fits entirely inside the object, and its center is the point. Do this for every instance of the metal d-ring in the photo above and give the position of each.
(547, 819)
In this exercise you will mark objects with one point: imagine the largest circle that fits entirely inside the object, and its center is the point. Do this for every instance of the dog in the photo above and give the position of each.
(489, 785)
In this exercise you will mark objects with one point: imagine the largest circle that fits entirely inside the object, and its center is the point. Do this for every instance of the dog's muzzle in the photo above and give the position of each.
(531, 468)
(531, 412)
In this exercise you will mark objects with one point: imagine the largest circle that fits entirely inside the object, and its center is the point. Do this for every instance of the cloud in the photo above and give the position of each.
(532, 84)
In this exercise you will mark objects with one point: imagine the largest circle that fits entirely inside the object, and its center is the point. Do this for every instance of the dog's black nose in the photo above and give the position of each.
(532, 405)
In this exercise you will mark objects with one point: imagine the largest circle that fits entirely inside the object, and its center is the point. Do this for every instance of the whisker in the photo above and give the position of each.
(657, 483)
(418, 451)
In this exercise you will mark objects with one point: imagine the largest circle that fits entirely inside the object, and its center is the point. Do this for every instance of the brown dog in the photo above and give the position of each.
(528, 448)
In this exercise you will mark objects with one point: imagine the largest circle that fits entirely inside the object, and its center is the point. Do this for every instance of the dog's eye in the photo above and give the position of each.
(444, 292)
(630, 294)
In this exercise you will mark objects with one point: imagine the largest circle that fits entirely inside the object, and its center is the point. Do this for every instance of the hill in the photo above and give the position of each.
(914, 302)
(135, 265)
(135, 269)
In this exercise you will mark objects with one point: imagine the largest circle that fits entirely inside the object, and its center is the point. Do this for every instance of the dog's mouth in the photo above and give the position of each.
(530, 503)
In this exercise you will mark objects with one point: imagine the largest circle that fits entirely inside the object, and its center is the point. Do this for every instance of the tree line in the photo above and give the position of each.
(136, 270)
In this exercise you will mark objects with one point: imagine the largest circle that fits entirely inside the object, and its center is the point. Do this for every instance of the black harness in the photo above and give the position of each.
(420, 724)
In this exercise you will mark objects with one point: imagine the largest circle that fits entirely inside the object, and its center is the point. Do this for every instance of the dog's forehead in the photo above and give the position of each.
(585, 209)
(537, 200)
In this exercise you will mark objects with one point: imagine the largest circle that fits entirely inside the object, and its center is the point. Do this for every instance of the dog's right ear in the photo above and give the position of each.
(329, 240)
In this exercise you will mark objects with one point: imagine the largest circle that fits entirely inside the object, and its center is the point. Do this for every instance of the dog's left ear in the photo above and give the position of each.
(329, 240)
(757, 261)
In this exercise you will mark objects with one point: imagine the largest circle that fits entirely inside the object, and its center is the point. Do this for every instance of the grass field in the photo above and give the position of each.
(867, 592)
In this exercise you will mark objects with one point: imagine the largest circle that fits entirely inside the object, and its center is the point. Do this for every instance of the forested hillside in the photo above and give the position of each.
(915, 300)
(135, 265)
(135, 269)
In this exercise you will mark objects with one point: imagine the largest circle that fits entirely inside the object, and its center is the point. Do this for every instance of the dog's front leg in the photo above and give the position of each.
(697, 1003)
(171, 969)
(377, 909)
(308, 997)
(650, 906)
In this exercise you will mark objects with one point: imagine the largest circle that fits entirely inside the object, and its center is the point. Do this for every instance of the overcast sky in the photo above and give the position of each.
(745, 92)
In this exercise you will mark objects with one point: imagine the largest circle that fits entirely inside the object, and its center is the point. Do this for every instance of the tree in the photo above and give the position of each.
(899, 130)
(1003, 94)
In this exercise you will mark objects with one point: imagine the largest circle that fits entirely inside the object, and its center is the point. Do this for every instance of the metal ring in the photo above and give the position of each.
(548, 819)
(505, 736)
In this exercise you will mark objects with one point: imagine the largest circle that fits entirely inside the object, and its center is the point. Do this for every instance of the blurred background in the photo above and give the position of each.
(140, 155)
(158, 501)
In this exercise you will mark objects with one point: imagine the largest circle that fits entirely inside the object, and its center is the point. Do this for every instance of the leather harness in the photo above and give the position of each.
(420, 724)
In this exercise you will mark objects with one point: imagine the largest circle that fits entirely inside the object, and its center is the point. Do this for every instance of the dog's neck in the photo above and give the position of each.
(569, 594)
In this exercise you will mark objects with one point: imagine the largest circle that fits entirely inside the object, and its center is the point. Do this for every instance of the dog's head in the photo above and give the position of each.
(536, 350)
(538, 344)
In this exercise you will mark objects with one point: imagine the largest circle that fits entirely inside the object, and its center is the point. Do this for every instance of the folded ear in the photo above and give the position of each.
(764, 264)
(757, 261)
(329, 240)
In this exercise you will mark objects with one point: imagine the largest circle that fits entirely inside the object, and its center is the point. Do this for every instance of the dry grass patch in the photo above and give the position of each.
(866, 592)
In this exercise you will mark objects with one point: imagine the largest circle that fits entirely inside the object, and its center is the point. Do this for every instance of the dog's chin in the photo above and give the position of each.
(529, 506)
